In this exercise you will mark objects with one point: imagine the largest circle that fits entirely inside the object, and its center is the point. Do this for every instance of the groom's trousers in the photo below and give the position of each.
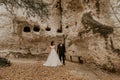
(62, 58)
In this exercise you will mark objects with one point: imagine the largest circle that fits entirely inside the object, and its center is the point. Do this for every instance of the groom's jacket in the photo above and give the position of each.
(61, 49)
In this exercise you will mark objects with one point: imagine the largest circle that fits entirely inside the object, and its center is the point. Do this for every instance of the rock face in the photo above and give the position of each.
(90, 29)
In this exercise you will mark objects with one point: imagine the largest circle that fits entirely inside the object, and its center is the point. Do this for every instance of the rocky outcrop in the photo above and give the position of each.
(89, 27)
(96, 27)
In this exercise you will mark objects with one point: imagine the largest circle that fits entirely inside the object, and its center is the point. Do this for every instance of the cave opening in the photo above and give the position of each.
(26, 29)
(48, 28)
(59, 31)
(67, 27)
(36, 28)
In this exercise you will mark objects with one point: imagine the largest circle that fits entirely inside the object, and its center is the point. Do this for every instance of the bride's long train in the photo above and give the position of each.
(53, 59)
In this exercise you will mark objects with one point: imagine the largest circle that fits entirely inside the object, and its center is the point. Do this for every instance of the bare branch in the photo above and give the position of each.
(37, 7)
(115, 14)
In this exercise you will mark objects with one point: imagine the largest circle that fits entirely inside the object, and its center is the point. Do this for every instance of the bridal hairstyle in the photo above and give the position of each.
(52, 43)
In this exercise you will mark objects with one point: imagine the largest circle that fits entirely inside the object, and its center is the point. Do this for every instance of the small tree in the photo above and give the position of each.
(32, 7)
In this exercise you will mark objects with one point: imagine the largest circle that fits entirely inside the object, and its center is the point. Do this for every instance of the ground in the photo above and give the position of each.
(32, 69)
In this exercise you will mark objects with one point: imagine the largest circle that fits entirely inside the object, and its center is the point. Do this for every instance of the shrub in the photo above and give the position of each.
(4, 62)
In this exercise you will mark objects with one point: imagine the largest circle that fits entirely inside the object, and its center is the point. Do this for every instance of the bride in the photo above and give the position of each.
(53, 59)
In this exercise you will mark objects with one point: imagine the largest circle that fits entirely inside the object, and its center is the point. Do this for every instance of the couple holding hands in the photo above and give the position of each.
(55, 57)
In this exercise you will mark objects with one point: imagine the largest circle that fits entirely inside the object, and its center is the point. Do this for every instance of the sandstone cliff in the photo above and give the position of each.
(90, 29)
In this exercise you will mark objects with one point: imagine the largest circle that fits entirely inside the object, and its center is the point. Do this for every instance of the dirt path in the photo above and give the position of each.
(27, 69)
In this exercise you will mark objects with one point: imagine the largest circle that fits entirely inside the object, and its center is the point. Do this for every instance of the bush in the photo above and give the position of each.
(4, 62)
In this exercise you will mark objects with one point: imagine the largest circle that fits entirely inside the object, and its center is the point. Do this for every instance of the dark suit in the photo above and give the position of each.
(61, 52)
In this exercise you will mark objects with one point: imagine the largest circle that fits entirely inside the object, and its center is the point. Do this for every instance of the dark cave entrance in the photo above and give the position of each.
(26, 29)
(36, 28)
(48, 28)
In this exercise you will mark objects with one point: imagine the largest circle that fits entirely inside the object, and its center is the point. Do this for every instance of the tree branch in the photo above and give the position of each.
(115, 14)
(37, 7)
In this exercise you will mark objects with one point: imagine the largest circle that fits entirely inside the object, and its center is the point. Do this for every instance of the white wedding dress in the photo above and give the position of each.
(53, 59)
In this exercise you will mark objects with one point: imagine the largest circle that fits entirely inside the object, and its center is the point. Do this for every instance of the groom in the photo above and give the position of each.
(61, 51)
